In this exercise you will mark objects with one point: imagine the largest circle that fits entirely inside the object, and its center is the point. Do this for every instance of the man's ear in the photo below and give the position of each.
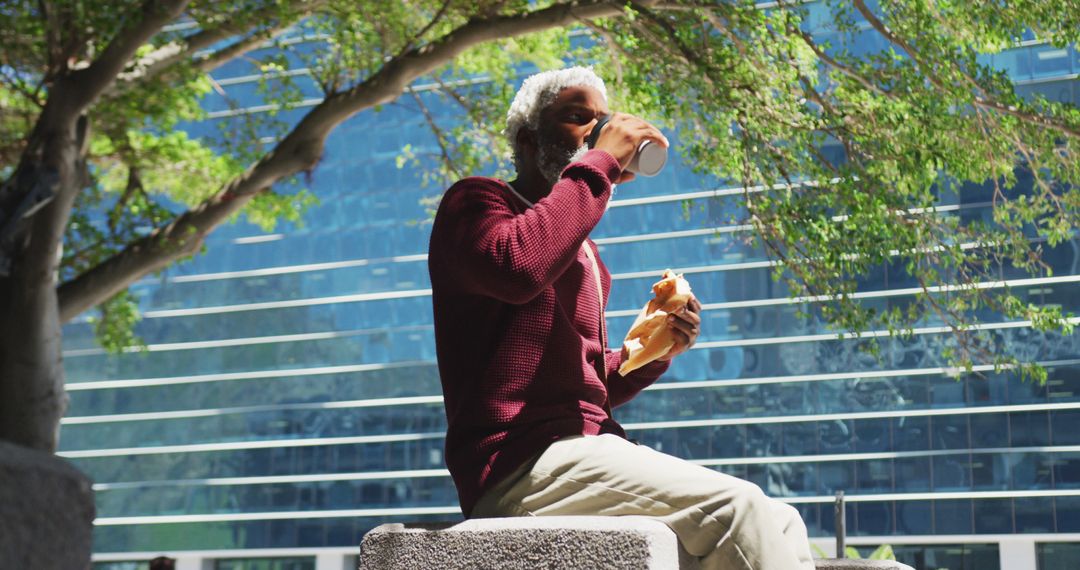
(526, 141)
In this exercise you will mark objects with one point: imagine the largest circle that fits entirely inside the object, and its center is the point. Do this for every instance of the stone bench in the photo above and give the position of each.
(550, 543)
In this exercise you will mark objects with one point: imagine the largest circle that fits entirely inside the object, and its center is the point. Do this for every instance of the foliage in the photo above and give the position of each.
(857, 152)
(849, 161)
(883, 552)
(481, 84)
(114, 325)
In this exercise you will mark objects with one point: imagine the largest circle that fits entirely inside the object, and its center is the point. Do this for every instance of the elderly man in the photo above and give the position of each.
(519, 294)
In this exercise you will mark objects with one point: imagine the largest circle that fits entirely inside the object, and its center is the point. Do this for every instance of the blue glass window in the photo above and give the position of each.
(953, 517)
(914, 517)
(1053, 555)
(1034, 514)
(993, 516)
(949, 556)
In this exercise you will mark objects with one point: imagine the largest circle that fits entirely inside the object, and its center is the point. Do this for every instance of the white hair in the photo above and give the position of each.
(537, 92)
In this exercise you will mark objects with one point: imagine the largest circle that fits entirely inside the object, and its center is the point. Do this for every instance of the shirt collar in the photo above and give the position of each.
(516, 193)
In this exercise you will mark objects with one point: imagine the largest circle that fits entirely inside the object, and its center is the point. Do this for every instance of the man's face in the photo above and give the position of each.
(564, 126)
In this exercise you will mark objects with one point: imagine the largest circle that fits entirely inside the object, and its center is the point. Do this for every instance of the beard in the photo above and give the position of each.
(552, 157)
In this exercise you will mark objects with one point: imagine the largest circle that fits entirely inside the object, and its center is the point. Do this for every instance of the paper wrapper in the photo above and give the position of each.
(650, 337)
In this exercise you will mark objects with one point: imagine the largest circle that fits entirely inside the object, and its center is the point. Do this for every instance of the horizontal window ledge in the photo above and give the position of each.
(723, 306)
(404, 512)
(438, 399)
(230, 517)
(630, 426)
(428, 473)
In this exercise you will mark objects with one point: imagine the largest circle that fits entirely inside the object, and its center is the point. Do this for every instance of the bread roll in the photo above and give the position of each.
(650, 337)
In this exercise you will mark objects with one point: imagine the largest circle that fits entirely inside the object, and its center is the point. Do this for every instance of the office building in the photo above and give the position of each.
(289, 399)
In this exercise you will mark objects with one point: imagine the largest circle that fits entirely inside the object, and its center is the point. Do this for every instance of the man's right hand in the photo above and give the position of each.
(622, 135)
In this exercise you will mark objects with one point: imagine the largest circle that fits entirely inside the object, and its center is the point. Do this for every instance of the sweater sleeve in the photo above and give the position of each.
(490, 250)
(621, 389)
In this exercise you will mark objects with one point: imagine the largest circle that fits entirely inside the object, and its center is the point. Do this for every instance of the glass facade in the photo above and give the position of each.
(1055, 555)
(120, 566)
(946, 556)
(289, 398)
(265, 564)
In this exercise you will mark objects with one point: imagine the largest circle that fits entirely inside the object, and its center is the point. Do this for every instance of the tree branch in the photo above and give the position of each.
(808, 40)
(168, 55)
(21, 88)
(983, 101)
(682, 50)
(440, 137)
(53, 57)
(470, 109)
(302, 147)
(59, 139)
(171, 54)
(431, 24)
(210, 62)
(614, 49)
(1032, 118)
(85, 85)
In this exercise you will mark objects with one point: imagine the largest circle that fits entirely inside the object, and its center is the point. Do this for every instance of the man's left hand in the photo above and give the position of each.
(686, 323)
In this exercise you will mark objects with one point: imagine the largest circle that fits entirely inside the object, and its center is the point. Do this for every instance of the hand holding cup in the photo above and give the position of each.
(639, 147)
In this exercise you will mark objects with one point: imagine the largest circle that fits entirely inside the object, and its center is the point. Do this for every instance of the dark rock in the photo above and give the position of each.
(46, 511)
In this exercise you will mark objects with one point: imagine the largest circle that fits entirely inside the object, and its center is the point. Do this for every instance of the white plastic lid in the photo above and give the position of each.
(649, 160)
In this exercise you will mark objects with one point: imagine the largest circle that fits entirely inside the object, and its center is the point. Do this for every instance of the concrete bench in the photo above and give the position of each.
(550, 543)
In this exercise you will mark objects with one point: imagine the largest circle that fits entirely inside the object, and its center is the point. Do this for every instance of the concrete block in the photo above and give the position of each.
(46, 511)
(549, 543)
(522, 543)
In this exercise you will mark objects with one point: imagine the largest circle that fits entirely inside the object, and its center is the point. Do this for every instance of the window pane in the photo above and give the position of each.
(1054, 555)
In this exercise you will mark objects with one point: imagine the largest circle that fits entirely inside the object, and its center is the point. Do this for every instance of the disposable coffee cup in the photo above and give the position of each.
(649, 159)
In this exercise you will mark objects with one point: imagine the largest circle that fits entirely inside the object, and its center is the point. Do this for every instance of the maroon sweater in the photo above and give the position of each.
(517, 323)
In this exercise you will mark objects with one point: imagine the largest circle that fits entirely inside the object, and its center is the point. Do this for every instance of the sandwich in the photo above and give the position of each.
(650, 337)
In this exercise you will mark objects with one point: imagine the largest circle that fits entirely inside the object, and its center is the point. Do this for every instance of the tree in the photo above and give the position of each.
(856, 149)
(94, 91)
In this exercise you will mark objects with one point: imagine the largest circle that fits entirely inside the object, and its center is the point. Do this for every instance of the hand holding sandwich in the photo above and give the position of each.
(686, 324)
(668, 325)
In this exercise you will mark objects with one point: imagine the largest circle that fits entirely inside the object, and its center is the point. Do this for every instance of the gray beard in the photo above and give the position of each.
(551, 159)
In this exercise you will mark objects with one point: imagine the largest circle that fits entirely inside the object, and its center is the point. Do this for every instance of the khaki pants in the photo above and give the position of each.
(726, 521)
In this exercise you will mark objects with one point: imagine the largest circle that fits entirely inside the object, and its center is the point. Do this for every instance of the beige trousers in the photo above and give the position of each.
(727, 522)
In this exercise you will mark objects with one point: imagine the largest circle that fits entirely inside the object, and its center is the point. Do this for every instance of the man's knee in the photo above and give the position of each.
(752, 491)
(787, 515)
(785, 510)
(749, 501)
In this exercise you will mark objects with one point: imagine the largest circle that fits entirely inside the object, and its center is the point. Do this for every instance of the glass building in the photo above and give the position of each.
(288, 400)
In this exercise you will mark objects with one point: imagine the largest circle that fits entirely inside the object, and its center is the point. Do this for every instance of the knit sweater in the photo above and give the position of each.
(517, 323)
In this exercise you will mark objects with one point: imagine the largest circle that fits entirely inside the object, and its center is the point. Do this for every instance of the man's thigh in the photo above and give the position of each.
(713, 514)
(607, 475)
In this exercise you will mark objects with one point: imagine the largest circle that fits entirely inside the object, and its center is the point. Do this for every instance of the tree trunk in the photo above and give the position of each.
(32, 397)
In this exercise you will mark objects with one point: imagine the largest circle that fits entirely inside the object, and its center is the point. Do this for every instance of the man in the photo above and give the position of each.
(527, 379)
